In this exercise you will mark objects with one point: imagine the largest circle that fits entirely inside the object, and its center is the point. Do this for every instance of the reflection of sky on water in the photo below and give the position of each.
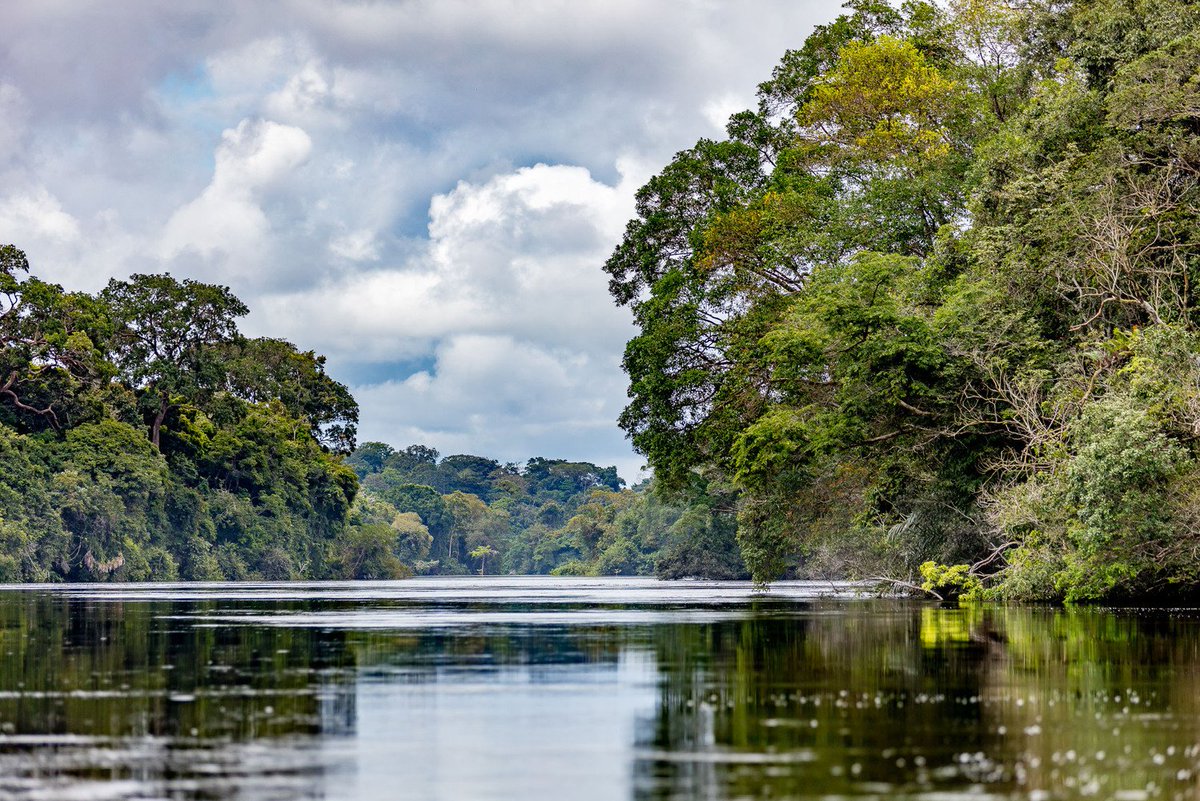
(458, 589)
(585, 688)
(391, 619)
(553, 732)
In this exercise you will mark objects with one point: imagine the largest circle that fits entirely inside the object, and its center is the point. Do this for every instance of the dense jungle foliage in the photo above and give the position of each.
(142, 437)
(464, 513)
(934, 303)
(928, 312)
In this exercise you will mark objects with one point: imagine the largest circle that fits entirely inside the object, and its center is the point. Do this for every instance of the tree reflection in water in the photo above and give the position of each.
(226, 696)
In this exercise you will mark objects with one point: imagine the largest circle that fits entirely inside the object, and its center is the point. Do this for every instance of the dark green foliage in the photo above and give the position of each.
(33, 540)
(170, 339)
(52, 371)
(368, 552)
(947, 312)
(551, 515)
(700, 544)
(142, 438)
(262, 370)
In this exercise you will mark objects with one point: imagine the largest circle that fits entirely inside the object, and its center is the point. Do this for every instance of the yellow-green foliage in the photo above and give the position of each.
(953, 251)
(884, 99)
(950, 582)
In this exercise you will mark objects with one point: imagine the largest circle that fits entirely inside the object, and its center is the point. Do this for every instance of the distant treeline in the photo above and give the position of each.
(463, 514)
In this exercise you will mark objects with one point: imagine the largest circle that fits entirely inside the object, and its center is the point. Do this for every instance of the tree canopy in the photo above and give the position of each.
(933, 301)
(144, 438)
(473, 514)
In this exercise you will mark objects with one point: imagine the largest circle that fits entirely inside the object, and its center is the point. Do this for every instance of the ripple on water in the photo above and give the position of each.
(539, 688)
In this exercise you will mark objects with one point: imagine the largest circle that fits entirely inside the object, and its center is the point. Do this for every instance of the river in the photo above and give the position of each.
(542, 688)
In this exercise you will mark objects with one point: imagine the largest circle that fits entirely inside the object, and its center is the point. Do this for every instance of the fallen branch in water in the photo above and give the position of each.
(906, 584)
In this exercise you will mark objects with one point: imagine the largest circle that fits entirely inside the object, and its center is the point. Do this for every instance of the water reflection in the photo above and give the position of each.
(586, 689)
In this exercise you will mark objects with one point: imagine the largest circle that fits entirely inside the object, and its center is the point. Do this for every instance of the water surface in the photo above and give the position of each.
(539, 688)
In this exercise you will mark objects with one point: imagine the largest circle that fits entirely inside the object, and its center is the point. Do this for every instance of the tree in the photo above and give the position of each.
(425, 502)
(171, 338)
(482, 553)
(564, 479)
(261, 370)
(413, 539)
(367, 552)
(471, 474)
(472, 523)
(883, 101)
(232, 481)
(783, 283)
(370, 457)
(48, 353)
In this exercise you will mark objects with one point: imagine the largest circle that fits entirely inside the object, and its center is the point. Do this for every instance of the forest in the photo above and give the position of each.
(142, 437)
(465, 513)
(929, 312)
(928, 315)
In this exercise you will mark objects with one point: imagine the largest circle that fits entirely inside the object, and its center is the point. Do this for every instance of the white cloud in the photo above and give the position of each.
(357, 245)
(258, 153)
(517, 255)
(379, 192)
(718, 110)
(227, 217)
(510, 399)
(247, 69)
(508, 303)
(14, 117)
(313, 96)
(37, 221)
(37, 215)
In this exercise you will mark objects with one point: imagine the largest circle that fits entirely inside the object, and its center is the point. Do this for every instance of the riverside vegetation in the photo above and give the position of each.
(142, 437)
(930, 310)
(927, 312)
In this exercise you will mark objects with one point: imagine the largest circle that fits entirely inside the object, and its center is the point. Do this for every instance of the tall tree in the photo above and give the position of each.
(47, 353)
(171, 339)
(264, 369)
(774, 351)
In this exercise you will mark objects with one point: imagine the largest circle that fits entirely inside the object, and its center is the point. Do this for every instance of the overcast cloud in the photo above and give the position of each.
(423, 191)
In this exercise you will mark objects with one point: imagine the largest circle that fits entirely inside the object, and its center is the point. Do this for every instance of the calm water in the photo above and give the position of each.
(537, 688)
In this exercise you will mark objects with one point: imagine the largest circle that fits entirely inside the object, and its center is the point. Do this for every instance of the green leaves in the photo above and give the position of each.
(12, 261)
(232, 480)
(170, 328)
(884, 102)
(170, 338)
(262, 370)
(1161, 87)
(950, 582)
(952, 315)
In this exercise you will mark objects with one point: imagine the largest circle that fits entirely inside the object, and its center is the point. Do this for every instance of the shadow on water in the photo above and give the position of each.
(558, 692)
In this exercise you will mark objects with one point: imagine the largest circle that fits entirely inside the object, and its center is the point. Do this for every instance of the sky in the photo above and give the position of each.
(423, 191)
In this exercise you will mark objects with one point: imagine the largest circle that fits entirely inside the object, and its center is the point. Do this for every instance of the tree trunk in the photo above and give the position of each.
(156, 426)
